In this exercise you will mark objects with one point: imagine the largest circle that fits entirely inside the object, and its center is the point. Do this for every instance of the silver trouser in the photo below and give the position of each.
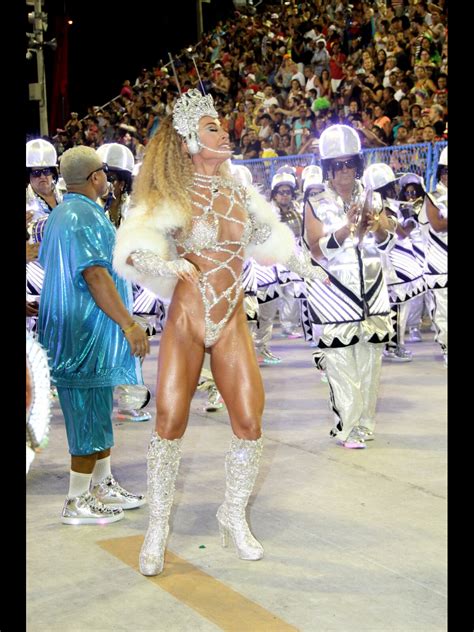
(399, 319)
(417, 307)
(440, 316)
(132, 396)
(415, 311)
(264, 331)
(353, 374)
(289, 308)
(252, 325)
(251, 307)
(206, 373)
(369, 358)
(403, 310)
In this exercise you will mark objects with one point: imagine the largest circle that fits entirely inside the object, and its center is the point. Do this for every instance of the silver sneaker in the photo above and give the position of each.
(86, 509)
(267, 357)
(414, 335)
(292, 334)
(397, 354)
(354, 441)
(110, 492)
(214, 400)
(365, 434)
(133, 415)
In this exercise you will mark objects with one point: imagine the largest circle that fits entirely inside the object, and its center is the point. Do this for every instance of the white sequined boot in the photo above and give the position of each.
(162, 468)
(241, 466)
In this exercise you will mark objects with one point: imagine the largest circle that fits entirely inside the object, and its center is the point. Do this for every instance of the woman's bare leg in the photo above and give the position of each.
(237, 376)
(235, 369)
(179, 366)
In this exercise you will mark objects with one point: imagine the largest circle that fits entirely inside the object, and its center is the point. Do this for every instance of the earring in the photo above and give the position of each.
(193, 145)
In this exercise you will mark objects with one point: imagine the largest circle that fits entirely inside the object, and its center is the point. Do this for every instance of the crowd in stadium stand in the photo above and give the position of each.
(281, 75)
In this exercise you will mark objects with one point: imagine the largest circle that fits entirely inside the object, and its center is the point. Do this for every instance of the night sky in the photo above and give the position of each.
(111, 41)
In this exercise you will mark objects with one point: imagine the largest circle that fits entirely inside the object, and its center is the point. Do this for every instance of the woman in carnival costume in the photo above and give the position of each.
(189, 229)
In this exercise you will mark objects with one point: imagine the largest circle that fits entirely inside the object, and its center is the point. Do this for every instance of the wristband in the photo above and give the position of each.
(128, 329)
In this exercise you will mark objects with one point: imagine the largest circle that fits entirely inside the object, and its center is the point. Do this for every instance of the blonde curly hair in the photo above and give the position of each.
(166, 173)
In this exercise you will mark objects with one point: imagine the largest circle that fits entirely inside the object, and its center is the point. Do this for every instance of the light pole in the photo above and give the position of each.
(37, 91)
(200, 26)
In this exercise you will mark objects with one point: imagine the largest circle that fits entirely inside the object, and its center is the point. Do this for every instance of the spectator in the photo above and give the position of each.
(285, 73)
(415, 113)
(429, 134)
(382, 120)
(73, 125)
(301, 127)
(295, 95)
(403, 89)
(381, 61)
(270, 98)
(312, 81)
(350, 87)
(436, 117)
(401, 135)
(423, 87)
(265, 131)
(325, 89)
(126, 90)
(320, 59)
(336, 66)
(353, 113)
(254, 147)
(389, 103)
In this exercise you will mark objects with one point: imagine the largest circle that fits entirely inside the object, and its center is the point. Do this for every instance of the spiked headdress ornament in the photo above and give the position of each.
(189, 109)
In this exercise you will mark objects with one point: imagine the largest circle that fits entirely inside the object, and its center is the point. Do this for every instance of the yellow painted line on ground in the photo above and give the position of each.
(212, 599)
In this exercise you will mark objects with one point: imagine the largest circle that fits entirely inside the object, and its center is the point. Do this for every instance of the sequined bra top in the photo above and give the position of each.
(218, 239)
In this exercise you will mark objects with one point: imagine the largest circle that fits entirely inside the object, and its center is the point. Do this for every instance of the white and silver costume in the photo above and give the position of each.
(292, 286)
(403, 273)
(38, 414)
(436, 264)
(34, 271)
(349, 317)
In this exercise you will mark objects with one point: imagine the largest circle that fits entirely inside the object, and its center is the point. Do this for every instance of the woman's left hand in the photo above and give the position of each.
(187, 271)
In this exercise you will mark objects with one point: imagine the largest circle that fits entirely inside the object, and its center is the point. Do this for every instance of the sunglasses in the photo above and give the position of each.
(443, 171)
(37, 173)
(284, 192)
(104, 168)
(338, 165)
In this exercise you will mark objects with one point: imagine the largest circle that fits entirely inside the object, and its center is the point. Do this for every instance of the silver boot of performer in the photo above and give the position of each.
(241, 465)
(162, 468)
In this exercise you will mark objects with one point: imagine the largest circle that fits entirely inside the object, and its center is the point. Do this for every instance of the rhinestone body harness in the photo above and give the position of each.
(217, 240)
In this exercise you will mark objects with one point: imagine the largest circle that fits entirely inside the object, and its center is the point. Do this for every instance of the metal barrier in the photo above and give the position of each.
(263, 169)
(420, 158)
